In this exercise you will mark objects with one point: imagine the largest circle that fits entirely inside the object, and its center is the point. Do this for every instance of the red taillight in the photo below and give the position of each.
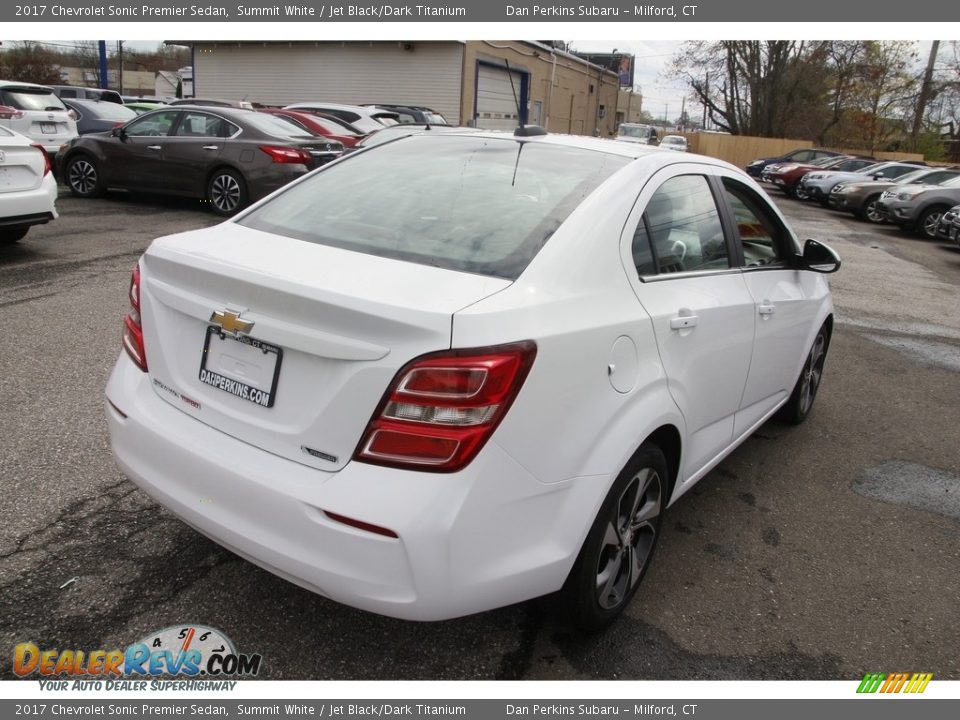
(441, 409)
(132, 328)
(282, 154)
(73, 115)
(10, 113)
(47, 165)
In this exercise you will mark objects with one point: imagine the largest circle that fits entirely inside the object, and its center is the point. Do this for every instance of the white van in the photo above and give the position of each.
(637, 133)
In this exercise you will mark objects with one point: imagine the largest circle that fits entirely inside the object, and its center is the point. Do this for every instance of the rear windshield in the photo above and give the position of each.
(478, 205)
(27, 98)
(276, 125)
(110, 111)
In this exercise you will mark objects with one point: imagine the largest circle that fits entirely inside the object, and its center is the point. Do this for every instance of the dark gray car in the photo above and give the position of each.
(96, 116)
(861, 198)
(228, 157)
(917, 208)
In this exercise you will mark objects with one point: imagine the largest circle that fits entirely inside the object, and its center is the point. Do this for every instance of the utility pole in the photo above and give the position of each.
(104, 80)
(120, 67)
(683, 110)
(924, 94)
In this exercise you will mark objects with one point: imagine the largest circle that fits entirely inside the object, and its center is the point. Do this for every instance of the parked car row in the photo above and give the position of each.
(226, 152)
(906, 193)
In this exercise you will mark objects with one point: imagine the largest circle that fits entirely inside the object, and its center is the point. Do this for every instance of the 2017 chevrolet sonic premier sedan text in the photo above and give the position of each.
(459, 371)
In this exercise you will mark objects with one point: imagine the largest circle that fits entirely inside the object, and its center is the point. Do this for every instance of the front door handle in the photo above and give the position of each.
(683, 322)
(154, 147)
(211, 147)
(767, 308)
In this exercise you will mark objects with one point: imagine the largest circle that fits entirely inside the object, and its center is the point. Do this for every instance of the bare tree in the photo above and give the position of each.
(31, 62)
(749, 87)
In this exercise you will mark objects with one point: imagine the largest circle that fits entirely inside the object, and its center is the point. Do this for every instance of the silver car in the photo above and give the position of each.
(861, 198)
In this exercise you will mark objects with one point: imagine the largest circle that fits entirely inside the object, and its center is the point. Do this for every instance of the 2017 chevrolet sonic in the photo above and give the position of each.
(459, 371)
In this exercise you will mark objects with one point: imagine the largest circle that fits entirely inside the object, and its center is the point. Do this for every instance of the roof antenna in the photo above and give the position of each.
(522, 130)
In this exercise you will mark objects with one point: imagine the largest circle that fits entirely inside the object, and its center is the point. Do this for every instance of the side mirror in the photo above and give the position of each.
(819, 258)
(877, 176)
(119, 132)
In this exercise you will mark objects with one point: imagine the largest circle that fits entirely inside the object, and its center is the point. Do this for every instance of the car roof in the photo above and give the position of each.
(17, 83)
(604, 145)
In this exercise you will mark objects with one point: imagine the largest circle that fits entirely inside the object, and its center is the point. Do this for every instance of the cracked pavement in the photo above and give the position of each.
(821, 551)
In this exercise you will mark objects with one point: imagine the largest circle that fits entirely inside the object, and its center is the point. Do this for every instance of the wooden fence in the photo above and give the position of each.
(741, 149)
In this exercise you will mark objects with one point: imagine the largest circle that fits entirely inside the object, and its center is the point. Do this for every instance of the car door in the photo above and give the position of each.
(785, 300)
(688, 282)
(191, 152)
(133, 159)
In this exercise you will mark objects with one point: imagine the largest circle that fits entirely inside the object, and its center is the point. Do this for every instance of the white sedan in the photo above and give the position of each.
(459, 371)
(28, 191)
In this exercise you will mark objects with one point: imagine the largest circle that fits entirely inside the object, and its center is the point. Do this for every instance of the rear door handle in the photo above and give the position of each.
(211, 147)
(767, 308)
(683, 322)
(154, 147)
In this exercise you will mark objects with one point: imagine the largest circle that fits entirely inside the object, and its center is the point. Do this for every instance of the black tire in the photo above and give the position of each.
(869, 212)
(82, 176)
(227, 192)
(927, 222)
(799, 193)
(13, 233)
(621, 542)
(805, 391)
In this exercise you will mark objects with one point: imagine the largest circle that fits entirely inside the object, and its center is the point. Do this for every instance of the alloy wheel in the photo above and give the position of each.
(225, 193)
(82, 177)
(812, 372)
(871, 212)
(629, 539)
(930, 222)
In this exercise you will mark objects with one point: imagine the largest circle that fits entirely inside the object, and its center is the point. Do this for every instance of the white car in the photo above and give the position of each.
(28, 190)
(677, 143)
(365, 119)
(36, 112)
(455, 372)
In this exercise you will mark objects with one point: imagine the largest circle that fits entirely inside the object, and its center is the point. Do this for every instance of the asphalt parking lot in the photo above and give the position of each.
(815, 552)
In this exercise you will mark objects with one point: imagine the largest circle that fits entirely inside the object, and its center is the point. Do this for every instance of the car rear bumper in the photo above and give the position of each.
(488, 536)
(30, 207)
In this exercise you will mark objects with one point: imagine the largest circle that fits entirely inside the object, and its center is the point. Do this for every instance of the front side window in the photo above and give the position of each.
(761, 236)
(681, 227)
(158, 123)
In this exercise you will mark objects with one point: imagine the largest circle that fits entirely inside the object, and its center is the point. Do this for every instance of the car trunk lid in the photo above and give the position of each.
(329, 329)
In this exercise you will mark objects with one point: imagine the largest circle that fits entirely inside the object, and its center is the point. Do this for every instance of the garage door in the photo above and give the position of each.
(496, 107)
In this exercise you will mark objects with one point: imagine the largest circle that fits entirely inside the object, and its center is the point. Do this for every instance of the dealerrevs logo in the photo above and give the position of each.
(178, 651)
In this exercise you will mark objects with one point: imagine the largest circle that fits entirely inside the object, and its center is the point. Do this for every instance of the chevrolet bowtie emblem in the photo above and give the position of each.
(230, 322)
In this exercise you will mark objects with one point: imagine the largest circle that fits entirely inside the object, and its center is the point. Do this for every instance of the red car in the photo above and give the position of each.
(318, 125)
(787, 176)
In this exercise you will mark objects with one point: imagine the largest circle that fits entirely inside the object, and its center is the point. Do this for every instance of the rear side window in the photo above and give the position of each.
(27, 98)
(479, 205)
(681, 230)
(196, 124)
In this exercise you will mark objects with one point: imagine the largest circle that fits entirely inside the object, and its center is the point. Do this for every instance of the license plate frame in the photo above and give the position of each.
(233, 385)
(48, 128)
